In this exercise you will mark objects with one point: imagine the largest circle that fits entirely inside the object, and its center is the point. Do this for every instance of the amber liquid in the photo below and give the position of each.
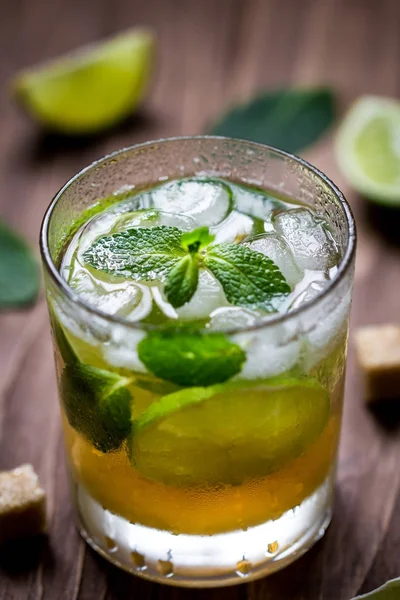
(118, 487)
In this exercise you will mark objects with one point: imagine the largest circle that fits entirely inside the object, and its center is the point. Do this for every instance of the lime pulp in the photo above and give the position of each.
(368, 148)
(92, 88)
(228, 433)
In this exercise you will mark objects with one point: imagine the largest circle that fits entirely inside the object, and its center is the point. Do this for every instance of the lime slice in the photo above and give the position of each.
(368, 148)
(92, 88)
(225, 434)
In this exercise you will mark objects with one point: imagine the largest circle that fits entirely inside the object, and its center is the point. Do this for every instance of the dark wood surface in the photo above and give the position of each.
(211, 52)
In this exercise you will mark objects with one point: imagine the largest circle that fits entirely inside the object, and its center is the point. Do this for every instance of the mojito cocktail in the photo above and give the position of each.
(199, 292)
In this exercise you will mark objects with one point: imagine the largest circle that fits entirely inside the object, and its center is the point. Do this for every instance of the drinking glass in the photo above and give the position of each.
(231, 525)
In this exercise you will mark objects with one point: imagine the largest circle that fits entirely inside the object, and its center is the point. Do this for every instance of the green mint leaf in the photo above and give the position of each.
(182, 281)
(97, 404)
(96, 401)
(141, 253)
(64, 347)
(248, 277)
(288, 119)
(191, 359)
(389, 591)
(193, 241)
(19, 271)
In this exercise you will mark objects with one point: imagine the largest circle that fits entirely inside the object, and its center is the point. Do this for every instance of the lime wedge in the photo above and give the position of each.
(225, 434)
(91, 89)
(368, 148)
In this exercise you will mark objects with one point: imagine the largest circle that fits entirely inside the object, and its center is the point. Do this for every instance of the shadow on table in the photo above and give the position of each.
(385, 220)
(46, 145)
(21, 556)
(387, 414)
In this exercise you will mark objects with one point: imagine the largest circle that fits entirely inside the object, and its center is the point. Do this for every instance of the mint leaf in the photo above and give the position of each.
(96, 401)
(64, 347)
(19, 271)
(141, 253)
(388, 591)
(248, 277)
(288, 119)
(97, 404)
(182, 281)
(193, 241)
(191, 359)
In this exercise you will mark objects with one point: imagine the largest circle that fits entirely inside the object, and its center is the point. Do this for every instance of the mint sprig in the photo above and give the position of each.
(196, 240)
(191, 359)
(182, 281)
(248, 278)
(290, 119)
(141, 253)
(19, 271)
(97, 402)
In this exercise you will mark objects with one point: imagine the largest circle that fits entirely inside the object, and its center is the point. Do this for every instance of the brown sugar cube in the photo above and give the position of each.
(22, 504)
(378, 352)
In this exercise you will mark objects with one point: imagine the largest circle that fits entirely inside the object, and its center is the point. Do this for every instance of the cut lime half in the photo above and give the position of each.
(92, 88)
(225, 434)
(368, 148)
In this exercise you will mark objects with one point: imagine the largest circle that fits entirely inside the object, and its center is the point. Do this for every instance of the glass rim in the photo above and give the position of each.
(270, 321)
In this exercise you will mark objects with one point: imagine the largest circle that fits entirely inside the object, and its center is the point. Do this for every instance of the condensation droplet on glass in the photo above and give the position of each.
(165, 568)
(111, 544)
(273, 547)
(243, 567)
(138, 560)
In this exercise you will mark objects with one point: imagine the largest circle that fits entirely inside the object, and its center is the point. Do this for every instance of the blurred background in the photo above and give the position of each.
(211, 54)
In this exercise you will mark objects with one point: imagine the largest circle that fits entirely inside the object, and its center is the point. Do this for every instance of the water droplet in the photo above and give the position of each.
(321, 532)
(165, 568)
(273, 547)
(111, 544)
(138, 560)
(243, 567)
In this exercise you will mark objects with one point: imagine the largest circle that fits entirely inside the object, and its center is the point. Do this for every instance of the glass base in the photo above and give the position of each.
(205, 561)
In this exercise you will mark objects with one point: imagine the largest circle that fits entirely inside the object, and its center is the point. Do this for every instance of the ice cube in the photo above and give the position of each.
(223, 319)
(308, 238)
(255, 203)
(166, 308)
(269, 351)
(208, 296)
(208, 202)
(275, 248)
(233, 229)
(309, 293)
(96, 227)
(322, 336)
(126, 299)
(153, 218)
(121, 352)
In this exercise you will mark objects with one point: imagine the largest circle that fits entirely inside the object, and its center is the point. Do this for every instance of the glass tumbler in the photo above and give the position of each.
(225, 530)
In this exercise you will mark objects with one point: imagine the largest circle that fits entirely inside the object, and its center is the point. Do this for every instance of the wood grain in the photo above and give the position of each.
(210, 54)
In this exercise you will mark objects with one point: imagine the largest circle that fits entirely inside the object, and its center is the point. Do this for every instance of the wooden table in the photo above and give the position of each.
(210, 54)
